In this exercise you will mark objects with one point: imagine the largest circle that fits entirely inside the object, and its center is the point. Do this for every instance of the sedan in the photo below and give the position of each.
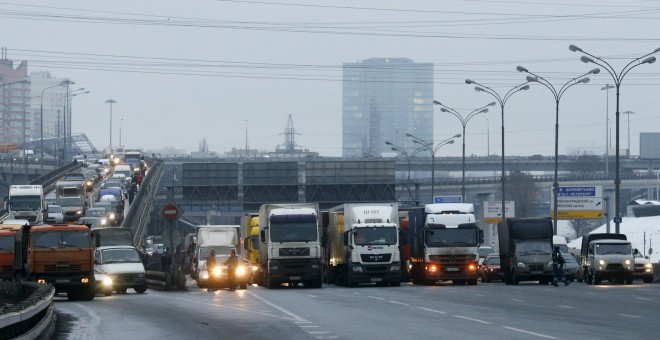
(490, 269)
(55, 215)
(570, 266)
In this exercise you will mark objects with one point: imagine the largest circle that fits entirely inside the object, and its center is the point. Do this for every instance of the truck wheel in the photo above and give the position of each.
(597, 279)
(629, 279)
(72, 296)
(515, 280)
(243, 285)
(395, 283)
(141, 289)
(648, 279)
(269, 282)
(589, 278)
(88, 294)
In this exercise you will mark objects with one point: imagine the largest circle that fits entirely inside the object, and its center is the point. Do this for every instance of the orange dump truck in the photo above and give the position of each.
(61, 255)
(7, 240)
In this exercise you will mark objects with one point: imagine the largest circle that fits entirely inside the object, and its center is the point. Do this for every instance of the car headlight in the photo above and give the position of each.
(89, 183)
(104, 221)
(648, 266)
(107, 281)
(255, 268)
(205, 275)
(112, 216)
(79, 212)
(240, 270)
(602, 262)
(216, 271)
(627, 262)
(521, 265)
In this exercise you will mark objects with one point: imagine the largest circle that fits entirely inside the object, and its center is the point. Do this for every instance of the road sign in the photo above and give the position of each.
(493, 211)
(448, 199)
(578, 202)
(171, 211)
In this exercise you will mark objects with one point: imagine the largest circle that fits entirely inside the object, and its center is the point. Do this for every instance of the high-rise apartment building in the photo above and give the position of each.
(383, 100)
(15, 120)
(53, 104)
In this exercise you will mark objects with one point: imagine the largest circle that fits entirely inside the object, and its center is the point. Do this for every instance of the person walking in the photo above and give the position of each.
(232, 265)
(558, 268)
(210, 265)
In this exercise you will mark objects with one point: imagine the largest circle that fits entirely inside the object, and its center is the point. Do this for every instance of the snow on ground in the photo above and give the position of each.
(632, 227)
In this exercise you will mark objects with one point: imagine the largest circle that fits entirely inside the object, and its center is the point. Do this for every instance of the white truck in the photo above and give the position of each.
(222, 238)
(71, 196)
(363, 242)
(26, 202)
(289, 245)
(446, 246)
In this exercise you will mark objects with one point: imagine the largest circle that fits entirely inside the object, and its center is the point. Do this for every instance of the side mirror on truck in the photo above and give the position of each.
(262, 236)
(481, 236)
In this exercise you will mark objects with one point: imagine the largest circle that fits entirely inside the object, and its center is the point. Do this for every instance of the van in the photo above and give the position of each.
(123, 265)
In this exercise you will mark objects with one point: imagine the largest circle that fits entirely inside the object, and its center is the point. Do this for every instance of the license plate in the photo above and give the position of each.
(376, 279)
(452, 269)
(62, 281)
(295, 277)
(537, 272)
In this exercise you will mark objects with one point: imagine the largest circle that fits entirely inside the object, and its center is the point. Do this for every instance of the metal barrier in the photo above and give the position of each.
(30, 314)
(138, 216)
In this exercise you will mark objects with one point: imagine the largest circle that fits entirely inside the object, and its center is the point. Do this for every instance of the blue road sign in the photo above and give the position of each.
(448, 199)
(577, 192)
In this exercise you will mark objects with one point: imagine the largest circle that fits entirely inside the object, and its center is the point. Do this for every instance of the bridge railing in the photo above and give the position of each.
(138, 215)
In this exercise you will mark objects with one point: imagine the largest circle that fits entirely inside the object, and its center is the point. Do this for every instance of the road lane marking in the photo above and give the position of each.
(308, 326)
(642, 298)
(327, 337)
(398, 303)
(302, 322)
(562, 306)
(375, 297)
(312, 296)
(472, 319)
(480, 295)
(432, 310)
(318, 332)
(630, 316)
(294, 316)
(518, 300)
(530, 332)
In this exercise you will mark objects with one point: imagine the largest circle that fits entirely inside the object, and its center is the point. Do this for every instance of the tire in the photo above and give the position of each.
(629, 279)
(243, 286)
(515, 280)
(597, 279)
(109, 293)
(472, 282)
(121, 290)
(648, 279)
(269, 282)
(72, 296)
(395, 284)
(589, 278)
(88, 294)
(141, 289)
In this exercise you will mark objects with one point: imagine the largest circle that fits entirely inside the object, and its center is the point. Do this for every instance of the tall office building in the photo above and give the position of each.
(14, 102)
(383, 100)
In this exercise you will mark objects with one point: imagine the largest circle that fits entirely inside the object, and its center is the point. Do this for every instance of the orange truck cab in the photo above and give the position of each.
(7, 243)
(61, 255)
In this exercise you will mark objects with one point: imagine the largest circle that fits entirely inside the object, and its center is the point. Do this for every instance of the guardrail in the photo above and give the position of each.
(30, 311)
(138, 218)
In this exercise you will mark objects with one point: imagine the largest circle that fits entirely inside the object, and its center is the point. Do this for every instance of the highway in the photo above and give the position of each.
(494, 310)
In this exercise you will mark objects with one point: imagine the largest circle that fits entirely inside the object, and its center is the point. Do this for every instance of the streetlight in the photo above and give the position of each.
(464, 121)
(59, 101)
(607, 88)
(628, 113)
(42, 122)
(583, 79)
(70, 120)
(120, 122)
(433, 150)
(66, 82)
(502, 100)
(111, 101)
(618, 78)
(403, 152)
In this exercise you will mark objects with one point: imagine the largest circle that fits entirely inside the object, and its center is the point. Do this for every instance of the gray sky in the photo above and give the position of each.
(184, 70)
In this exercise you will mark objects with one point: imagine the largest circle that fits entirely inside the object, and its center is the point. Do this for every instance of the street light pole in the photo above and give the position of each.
(41, 157)
(111, 101)
(66, 82)
(628, 113)
(502, 100)
(618, 78)
(403, 152)
(433, 150)
(120, 122)
(607, 88)
(557, 94)
(464, 121)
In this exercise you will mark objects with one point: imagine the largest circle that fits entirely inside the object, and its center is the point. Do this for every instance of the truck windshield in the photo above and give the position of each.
(120, 255)
(293, 232)
(62, 239)
(440, 237)
(7, 243)
(605, 249)
(25, 203)
(533, 248)
(367, 236)
(70, 201)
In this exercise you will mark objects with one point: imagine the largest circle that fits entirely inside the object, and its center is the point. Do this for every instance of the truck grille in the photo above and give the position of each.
(375, 257)
(294, 267)
(614, 266)
(536, 267)
(294, 251)
(452, 259)
(62, 267)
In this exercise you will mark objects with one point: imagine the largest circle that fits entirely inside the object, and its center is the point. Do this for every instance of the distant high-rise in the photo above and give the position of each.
(53, 101)
(14, 102)
(383, 99)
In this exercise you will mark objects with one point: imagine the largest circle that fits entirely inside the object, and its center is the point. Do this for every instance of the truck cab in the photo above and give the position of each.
(609, 259)
(526, 249)
(26, 202)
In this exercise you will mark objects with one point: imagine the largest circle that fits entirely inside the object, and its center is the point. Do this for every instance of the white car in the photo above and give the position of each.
(55, 215)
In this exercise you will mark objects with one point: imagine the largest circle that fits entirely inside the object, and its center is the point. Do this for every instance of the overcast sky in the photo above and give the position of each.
(181, 71)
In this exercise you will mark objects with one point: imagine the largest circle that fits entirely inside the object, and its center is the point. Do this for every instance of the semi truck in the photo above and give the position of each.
(71, 196)
(26, 202)
(444, 244)
(60, 255)
(222, 238)
(290, 245)
(526, 249)
(250, 228)
(363, 244)
(605, 256)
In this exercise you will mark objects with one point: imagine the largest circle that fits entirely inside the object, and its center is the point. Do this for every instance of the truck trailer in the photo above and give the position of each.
(290, 245)
(363, 242)
(526, 249)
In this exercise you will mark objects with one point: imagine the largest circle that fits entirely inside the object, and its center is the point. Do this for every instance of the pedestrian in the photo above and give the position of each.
(558, 268)
(140, 177)
(232, 265)
(210, 265)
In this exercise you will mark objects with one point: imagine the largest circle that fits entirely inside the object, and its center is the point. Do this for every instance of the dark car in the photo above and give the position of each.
(490, 269)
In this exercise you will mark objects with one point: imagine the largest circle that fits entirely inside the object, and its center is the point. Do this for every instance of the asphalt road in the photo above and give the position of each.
(493, 310)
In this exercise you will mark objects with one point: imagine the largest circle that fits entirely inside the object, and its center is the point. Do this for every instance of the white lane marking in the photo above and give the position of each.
(318, 332)
(530, 333)
(308, 326)
(294, 316)
(91, 328)
(480, 295)
(518, 300)
(398, 303)
(590, 293)
(432, 310)
(356, 293)
(312, 296)
(221, 306)
(642, 298)
(375, 297)
(562, 306)
(630, 316)
(472, 319)
(302, 322)
(327, 337)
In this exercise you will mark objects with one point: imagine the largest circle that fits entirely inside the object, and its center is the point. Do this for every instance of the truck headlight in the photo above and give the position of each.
(395, 268)
(627, 262)
(602, 262)
(205, 275)
(216, 271)
(521, 265)
(240, 270)
(112, 216)
(107, 281)
(79, 212)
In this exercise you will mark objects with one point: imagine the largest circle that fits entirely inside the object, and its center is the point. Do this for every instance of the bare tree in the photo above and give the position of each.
(522, 189)
(585, 226)
(584, 162)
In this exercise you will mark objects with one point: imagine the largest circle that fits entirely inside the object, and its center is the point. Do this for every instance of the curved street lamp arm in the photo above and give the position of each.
(517, 88)
(645, 61)
(443, 143)
(484, 88)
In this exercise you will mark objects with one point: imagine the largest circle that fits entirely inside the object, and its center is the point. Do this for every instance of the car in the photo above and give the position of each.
(92, 222)
(74, 176)
(643, 267)
(483, 252)
(218, 276)
(123, 265)
(570, 266)
(55, 214)
(490, 269)
(116, 192)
